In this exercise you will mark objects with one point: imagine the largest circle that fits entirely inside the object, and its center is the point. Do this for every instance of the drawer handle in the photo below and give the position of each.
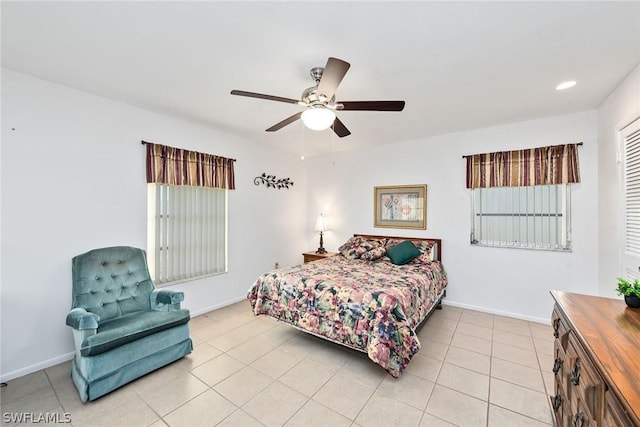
(556, 402)
(577, 420)
(574, 375)
(556, 365)
(556, 326)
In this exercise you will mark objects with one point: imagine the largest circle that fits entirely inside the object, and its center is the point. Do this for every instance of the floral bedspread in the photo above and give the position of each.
(372, 306)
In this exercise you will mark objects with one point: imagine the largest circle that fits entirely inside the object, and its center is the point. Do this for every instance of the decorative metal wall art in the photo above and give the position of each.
(272, 182)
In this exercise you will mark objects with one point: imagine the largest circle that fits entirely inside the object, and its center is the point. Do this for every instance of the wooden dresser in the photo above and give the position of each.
(597, 362)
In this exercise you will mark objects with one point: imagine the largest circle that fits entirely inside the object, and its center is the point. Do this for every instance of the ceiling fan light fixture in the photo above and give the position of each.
(318, 118)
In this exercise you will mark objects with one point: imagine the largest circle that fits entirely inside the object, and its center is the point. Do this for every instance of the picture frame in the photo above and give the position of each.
(400, 206)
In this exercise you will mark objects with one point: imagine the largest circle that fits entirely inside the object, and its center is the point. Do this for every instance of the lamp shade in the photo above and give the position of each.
(318, 118)
(320, 224)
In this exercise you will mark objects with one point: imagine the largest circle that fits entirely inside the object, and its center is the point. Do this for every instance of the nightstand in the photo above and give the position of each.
(312, 256)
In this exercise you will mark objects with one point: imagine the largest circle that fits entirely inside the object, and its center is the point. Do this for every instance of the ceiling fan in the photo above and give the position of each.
(320, 100)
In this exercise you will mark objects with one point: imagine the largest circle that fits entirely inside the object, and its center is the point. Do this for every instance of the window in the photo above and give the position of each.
(187, 212)
(187, 235)
(534, 217)
(630, 140)
(522, 198)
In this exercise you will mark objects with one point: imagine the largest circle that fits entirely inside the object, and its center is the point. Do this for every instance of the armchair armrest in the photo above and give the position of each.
(80, 319)
(84, 325)
(166, 299)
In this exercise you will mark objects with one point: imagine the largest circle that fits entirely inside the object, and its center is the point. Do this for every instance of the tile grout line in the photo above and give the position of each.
(54, 390)
(435, 382)
(309, 398)
(540, 358)
(488, 416)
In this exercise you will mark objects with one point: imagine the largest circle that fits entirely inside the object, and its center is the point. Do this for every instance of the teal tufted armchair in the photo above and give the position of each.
(123, 327)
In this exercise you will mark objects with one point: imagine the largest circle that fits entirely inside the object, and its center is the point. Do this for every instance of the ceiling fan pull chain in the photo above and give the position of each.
(333, 148)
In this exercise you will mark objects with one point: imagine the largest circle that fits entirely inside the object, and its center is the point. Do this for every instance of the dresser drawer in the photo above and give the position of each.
(559, 368)
(585, 387)
(561, 378)
(560, 407)
(580, 417)
(614, 415)
(560, 328)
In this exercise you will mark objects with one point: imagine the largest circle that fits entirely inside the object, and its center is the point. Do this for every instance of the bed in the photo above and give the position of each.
(370, 297)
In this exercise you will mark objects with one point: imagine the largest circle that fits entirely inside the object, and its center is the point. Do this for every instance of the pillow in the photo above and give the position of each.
(349, 248)
(357, 246)
(428, 251)
(403, 252)
(393, 242)
(371, 243)
(374, 253)
(427, 248)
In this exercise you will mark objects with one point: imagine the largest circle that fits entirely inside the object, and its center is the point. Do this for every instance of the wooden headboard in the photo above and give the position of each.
(438, 241)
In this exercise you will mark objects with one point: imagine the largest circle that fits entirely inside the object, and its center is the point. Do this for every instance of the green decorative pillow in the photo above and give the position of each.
(403, 252)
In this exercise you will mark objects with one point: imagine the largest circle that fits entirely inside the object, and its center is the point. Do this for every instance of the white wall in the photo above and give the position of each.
(620, 108)
(73, 179)
(72, 176)
(508, 281)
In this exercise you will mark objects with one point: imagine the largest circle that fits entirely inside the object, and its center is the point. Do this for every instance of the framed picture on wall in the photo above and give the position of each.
(400, 206)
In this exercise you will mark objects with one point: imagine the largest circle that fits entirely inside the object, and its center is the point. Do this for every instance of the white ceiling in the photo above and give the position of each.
(458, 65)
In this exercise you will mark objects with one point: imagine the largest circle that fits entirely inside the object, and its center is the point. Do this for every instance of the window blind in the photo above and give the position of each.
(532, 217)
(632, 200)
(187, 232)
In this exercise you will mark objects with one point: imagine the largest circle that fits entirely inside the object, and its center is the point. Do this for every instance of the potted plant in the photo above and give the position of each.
(630, 290)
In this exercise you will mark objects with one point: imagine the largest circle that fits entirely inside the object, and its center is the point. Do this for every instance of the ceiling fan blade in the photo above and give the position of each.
(285, 122)
(332, 75)
(372, 105)
(340, 129)
(263, 96)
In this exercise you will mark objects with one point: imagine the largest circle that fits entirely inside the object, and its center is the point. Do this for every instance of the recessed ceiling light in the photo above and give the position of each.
(566, 85)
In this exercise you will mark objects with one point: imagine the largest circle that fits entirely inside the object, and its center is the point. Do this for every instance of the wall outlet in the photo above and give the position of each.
(277, 265)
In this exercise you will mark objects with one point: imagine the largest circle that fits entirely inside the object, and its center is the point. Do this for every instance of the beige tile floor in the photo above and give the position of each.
(474, 369)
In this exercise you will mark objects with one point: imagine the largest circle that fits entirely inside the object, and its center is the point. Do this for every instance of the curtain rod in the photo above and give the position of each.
(145, 142)
(469, 155)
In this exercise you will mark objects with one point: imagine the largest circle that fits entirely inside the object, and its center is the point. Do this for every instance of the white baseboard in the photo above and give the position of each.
(217, 306)
(546, 321)
(37, 367)
(68, 356)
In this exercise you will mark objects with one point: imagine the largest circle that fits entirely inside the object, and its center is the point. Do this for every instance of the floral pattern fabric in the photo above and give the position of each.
(372, 306)
(374, 253)
(358, 246)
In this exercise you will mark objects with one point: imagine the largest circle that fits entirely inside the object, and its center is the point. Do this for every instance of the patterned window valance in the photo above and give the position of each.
(176, 166)
(556, 164)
